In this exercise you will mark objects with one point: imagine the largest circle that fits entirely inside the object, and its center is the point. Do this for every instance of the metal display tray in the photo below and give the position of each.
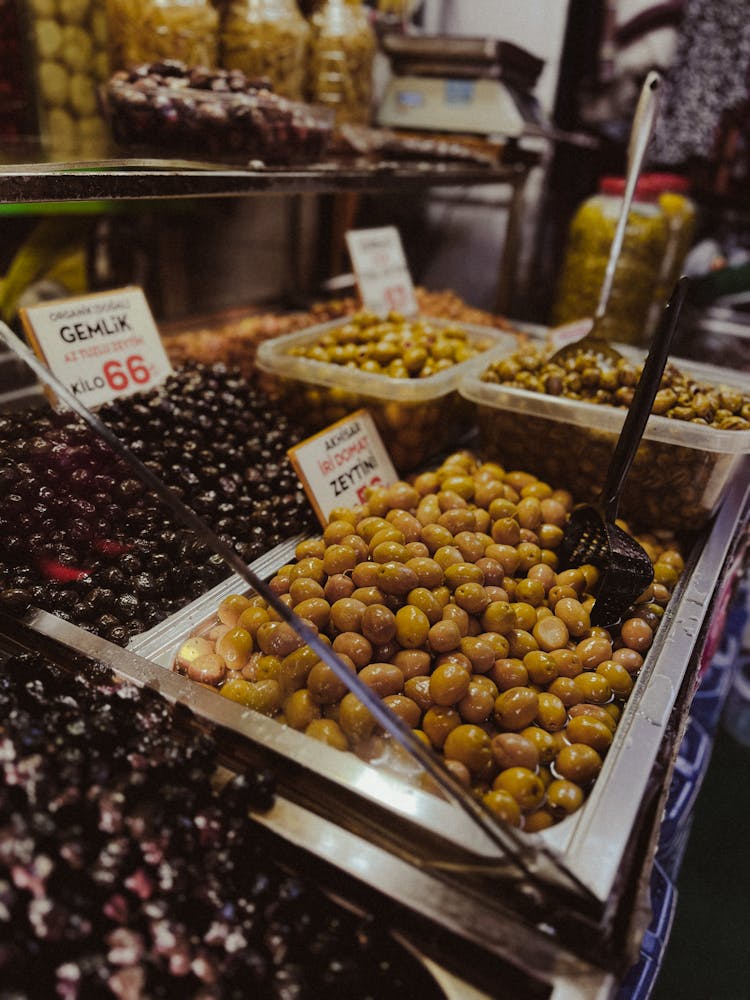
(420, 853)
(594, 842)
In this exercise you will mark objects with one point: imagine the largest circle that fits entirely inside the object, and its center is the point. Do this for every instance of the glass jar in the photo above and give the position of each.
(671, 192)
(343, 53)
(268, 38)
(14, 95)
(638, 268)
(69, 47)
(144, 31)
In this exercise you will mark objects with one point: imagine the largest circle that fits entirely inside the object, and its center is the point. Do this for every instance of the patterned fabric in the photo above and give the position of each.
(709, 76)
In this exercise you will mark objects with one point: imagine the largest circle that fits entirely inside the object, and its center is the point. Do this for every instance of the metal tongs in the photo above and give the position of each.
(592, 536)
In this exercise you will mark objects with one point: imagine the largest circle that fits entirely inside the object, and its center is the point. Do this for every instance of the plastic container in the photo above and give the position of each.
(417, 417)
(342, 59)
(229, 125)
(679, 473)
(268, 38)
(638, 268)
(69, 47)
(143, 31)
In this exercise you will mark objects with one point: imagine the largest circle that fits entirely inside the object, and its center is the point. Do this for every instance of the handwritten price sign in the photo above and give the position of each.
(383, 277)
(101, 346)
(337, 465)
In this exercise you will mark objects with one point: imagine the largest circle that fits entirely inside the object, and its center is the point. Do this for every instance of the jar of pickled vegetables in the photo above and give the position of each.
(69, 49)
(268, 38)
(638, 268)
(144, 31)
(343, 54)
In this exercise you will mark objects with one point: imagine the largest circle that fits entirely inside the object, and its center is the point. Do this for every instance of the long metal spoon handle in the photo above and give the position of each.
(643, 399)
(640, 136)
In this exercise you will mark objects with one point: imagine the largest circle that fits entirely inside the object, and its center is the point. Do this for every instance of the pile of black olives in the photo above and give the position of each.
(123, 873)
(82, 538)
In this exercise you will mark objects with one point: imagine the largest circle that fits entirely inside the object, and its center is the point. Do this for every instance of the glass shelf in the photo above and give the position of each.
(25, 180)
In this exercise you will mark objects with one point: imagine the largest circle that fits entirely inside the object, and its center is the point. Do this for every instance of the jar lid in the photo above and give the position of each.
(647, 186)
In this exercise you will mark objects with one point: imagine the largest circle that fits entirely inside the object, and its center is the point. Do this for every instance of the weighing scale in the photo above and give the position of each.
(480, 86)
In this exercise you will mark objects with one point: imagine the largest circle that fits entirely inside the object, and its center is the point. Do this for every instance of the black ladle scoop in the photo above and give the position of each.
(591, 535)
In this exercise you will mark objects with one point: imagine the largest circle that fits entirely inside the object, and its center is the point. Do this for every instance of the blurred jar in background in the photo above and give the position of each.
(142, 31)
(343, 53)
(14, 96)
(638, 270)
(268, 38)
(671, 192)
(69, 48)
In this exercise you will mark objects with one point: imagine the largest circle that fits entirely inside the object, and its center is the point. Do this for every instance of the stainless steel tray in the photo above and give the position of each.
(150, 644)
(595, 843)
(425, 858)
(460, 933)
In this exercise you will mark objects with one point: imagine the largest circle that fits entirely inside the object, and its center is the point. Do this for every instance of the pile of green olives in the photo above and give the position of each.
(415, 422)
(585, 377)
(444, 595)
(394, 346)
(672, 485)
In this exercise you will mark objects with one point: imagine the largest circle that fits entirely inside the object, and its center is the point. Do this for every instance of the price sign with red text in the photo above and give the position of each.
(337, 465)
(101, 346)
(381, 270)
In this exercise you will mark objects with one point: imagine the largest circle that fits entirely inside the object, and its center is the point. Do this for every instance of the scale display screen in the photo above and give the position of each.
(459, 91)
(454, 104)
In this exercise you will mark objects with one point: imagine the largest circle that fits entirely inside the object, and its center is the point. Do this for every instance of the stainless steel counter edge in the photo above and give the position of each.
(529, 947)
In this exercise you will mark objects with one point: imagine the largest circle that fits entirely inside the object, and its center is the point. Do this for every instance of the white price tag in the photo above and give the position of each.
(100, 346)
(338, 464)
(381, 270)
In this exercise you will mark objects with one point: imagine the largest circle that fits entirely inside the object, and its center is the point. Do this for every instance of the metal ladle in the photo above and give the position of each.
(640, 136)
(592, 535)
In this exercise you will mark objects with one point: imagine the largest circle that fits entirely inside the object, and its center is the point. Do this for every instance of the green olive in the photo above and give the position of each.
(355, 718)
(235, 647)
(382, 678)
(328, 731)
(470, 745)
(526, 787)
(578, 762)
(377, 624)
(438, 722)
(449, 683)
(231, 608)
(516, 708)
(564, 797)
(300, 709)
(514, 750)
(591, 731)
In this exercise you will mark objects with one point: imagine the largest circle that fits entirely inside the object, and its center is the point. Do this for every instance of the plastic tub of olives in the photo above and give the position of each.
(685, 461)
(405, 372)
